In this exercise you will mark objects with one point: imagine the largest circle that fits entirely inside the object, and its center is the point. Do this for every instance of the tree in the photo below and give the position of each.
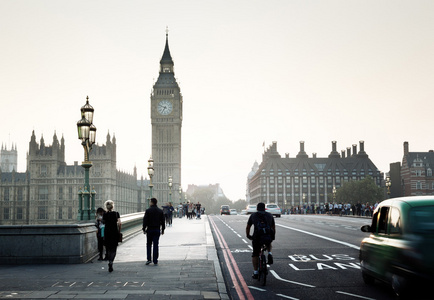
(362, 191)
(239, 205)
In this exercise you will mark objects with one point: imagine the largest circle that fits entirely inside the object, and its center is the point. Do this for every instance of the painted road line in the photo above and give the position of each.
(353, 295)
(232, 266)
(320, 236)
(287, 297)
(256, 288)
(289, 281)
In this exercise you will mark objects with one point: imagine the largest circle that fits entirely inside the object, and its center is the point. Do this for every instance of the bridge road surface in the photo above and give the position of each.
(315, 257)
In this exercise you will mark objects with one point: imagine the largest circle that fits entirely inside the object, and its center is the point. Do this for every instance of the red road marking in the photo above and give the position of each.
(230, 261)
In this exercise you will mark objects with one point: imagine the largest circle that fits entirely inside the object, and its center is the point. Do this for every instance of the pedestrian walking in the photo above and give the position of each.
(180, 210)
(112, 230)
(100, 232)
(153, 222)
(198, 210)
(170, 211)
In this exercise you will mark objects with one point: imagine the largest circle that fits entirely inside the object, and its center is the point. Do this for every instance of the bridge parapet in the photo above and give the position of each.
(56, 244)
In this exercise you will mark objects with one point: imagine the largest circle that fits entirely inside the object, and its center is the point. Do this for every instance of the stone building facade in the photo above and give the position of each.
(416, 173)
(166, 120)
(47, 193)
(8, 159)
(290, 181)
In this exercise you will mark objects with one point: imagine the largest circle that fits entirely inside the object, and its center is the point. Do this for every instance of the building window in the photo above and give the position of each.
(6, 194)
(429, 172)
(20, 194)
(19, 213)
(60, 214)
(69, 212)
(418, 173)
(44, 170)
(6, 213)
(43, 193)
(42, 213)
(60, 193)
(70, 193)
(418, 185)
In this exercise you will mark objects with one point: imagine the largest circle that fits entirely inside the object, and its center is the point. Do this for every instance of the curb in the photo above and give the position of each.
(212, 255)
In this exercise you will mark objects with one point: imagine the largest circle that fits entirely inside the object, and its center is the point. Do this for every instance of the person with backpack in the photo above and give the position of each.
(264, 232)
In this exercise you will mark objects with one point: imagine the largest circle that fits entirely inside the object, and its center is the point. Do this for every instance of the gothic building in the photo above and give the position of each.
(8, 158)
(290, 181)
(47, 193)
(166, 120)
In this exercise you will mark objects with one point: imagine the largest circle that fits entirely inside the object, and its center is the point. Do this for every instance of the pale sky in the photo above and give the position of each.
(249, 71)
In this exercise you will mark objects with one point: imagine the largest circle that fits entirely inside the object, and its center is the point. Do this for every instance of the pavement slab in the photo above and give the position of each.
(187, 269)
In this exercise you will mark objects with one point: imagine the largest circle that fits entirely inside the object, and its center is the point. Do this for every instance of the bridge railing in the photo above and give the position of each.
(56, 244)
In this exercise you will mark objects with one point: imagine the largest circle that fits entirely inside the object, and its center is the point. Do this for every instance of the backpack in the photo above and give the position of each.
(263, 232)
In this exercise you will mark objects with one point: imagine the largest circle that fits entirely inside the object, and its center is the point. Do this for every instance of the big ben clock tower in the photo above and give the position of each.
(166, 120)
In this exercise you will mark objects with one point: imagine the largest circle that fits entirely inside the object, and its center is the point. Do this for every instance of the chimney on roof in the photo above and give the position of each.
(314, 155)
(354, 149)
(348, 152)
(362, 152)
(406, 148)
(343, 153)
(302, 153)
(334, 153)
(286, 155)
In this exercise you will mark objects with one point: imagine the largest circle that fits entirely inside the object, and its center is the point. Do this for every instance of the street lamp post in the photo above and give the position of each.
(334, 193)
(150, 173)
(388, 184)
(87, 135)
(170, 188)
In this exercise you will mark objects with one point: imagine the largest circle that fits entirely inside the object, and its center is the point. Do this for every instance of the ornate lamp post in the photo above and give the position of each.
(87, 135)
(150, 173)
(170, 188)
(388, 184)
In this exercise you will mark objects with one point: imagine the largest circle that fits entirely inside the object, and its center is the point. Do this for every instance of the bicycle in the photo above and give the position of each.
(263, 269)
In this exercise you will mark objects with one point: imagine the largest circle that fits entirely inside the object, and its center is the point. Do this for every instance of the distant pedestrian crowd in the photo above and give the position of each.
(358, 209)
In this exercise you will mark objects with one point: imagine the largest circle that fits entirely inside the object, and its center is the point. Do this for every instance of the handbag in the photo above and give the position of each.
(120, 237)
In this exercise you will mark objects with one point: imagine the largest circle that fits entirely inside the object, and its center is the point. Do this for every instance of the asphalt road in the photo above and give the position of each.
(315, 257)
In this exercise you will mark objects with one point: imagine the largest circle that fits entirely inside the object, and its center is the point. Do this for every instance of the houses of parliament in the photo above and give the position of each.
(47, 193)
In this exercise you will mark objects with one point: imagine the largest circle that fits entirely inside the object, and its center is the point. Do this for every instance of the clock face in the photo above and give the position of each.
(164, 107)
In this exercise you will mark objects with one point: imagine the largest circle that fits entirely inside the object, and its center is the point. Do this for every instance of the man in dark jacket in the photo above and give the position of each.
(263, 219)
(152, 222)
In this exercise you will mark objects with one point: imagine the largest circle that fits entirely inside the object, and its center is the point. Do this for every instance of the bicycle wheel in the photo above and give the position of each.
(263, 270)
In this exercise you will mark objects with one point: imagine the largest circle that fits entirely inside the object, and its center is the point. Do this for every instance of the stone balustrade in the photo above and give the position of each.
(56, 244)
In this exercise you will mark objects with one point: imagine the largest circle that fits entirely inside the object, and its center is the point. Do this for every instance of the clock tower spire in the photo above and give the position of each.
(166, 120)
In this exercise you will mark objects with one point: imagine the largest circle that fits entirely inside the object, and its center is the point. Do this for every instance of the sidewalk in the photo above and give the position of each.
(188, 268)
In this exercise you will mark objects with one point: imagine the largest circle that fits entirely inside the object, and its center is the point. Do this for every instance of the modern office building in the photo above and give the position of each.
(298, 180)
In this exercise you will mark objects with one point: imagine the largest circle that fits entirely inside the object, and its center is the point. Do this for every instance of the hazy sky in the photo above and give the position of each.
(249, 71)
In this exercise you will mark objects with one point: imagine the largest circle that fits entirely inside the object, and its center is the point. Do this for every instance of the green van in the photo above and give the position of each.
(400, 248)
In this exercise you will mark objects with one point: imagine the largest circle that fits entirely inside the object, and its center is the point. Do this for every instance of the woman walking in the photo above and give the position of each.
(112, 222)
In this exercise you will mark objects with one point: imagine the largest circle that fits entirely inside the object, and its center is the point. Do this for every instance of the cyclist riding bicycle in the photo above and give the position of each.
(263, 233)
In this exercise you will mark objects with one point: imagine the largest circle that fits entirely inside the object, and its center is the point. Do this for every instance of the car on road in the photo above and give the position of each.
(250, 209)
(233, 211)
(225, 210)
(244, 212)
(399, 249)
(273, 209)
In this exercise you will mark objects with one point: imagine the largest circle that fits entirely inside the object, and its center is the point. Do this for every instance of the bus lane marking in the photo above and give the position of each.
(289, 281)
